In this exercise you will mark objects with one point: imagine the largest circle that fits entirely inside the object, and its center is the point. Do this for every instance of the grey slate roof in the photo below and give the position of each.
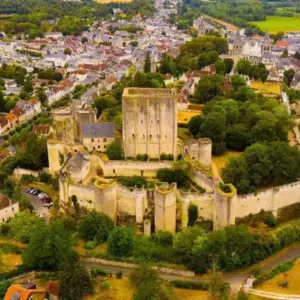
(98, 130)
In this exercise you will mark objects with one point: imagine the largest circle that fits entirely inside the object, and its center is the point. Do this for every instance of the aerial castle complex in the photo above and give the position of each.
(149, 127)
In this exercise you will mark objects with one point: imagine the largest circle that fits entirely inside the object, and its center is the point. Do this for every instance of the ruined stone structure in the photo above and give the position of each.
(149, 122)
(199, 150)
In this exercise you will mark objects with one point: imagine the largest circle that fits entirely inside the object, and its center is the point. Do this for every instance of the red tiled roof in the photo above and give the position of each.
(282, 43)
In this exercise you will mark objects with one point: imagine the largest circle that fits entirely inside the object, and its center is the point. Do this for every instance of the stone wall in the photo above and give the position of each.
(115, 168)
(201, 179)
(19, 172)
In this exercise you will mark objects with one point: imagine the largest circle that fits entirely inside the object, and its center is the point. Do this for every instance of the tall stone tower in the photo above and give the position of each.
(165, 207)
(237, 46)
(266, 44)
(149, 122)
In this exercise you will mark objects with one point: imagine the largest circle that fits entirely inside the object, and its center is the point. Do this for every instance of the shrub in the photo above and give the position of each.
(164, 238)
(119, 274)
(133, 181)
(26, 179)
(90, 245)
(170, 176)
(192, 285)
(97, 271)
(142, 157)
(120, 242)
(105, 285)
(165, 156)
(4, 285)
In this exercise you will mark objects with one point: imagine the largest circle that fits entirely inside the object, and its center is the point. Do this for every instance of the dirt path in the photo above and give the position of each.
(228, 26)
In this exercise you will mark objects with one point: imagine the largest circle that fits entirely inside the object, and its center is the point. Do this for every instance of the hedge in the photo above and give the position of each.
(191, 285)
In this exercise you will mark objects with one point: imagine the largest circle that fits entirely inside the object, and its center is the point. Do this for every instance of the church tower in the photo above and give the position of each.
(237, 46)
(266, 44)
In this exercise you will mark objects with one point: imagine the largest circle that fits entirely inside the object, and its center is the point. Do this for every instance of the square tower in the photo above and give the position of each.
(149, 122)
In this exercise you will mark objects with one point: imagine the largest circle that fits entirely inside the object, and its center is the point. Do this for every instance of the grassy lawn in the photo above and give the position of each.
(276, 23)
(183, 117)
(291, 276)
(220, 161)
(184, 134)
(267, 87)
(10, 262)
(120, 289)
(82, 251)
(45, 188)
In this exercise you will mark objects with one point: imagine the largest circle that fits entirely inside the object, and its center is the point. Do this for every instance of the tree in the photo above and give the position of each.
(237, 137)
(67, 51)
(50, 246)
(28, 87)
(42, 96)
(220, 67)
(95, 226)
(24, 95)
(194, 124)
(229, 63)
(103, 103)
(192, 214)
(2, 102)
(74, 282)
(115, 151)
(147, 64)
(57, 76)
(288, 76)
(120, 242)
(172, 175)
(244, 67)
(84, 40)
(184, 242)
(23, 226)
(148, 284)
(209, 87)
(237, 82)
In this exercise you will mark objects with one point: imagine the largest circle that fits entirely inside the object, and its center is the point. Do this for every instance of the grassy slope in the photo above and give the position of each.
(276, 23)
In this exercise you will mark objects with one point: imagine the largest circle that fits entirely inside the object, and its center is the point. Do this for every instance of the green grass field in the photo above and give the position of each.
(275, 23)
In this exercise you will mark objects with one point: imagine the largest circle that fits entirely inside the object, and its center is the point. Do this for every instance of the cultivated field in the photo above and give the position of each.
(273, 88)
(276, 23)
(185, 116)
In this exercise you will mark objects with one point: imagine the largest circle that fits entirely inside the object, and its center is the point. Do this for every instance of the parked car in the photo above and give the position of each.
(42, 195)
(29, 189)
(47, 199)
(32, 191)
(48, 205)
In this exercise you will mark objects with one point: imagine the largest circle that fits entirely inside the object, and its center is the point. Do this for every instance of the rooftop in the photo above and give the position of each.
(148, 91)
(100, 130)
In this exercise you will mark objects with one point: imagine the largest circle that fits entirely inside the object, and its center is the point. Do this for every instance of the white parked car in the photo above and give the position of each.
(42, 195)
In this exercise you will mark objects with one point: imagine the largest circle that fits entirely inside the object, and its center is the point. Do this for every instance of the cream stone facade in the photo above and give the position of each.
(99, 144)
(149, 122)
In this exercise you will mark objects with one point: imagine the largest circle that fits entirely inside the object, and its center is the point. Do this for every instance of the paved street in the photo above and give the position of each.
(36, 203)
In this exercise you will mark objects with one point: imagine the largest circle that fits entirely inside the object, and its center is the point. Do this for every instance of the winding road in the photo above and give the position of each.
(235, 279)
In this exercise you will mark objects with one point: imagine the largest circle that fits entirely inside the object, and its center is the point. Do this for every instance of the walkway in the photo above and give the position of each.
(270, 295)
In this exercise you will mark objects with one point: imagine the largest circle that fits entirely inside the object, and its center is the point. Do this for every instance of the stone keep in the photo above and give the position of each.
(199, 150)
(149, 122)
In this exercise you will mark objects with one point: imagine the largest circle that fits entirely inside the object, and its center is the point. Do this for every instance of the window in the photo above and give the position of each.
(104, 146)
(104, 140)
(98, 147)
(94, 148)
(133, 135)
(150, 135)
(158, 121)
(142, 121)
(92, 140)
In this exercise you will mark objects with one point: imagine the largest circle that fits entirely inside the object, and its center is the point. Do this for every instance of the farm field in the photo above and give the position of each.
(273, 88)
(291, 277)
(185, 116)
(276, 23)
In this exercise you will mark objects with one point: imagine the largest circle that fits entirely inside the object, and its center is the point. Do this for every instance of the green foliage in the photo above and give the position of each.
(148, 284)
(288, 76)
(172, 175)
(97, 271)
(115, 151)
(262, 164)
(120, 242)
(142, 157)
(49, 247)
(190, 285)
(164, 238)
(74, 282)
(220, 67)
(147, 64)
(21, 227)
(192, 214)
(119, 274)
(208, 88)
(105, 285)
(133, 181)
(95, 227)
(4, 285)
(229, 63)
(165, 156)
